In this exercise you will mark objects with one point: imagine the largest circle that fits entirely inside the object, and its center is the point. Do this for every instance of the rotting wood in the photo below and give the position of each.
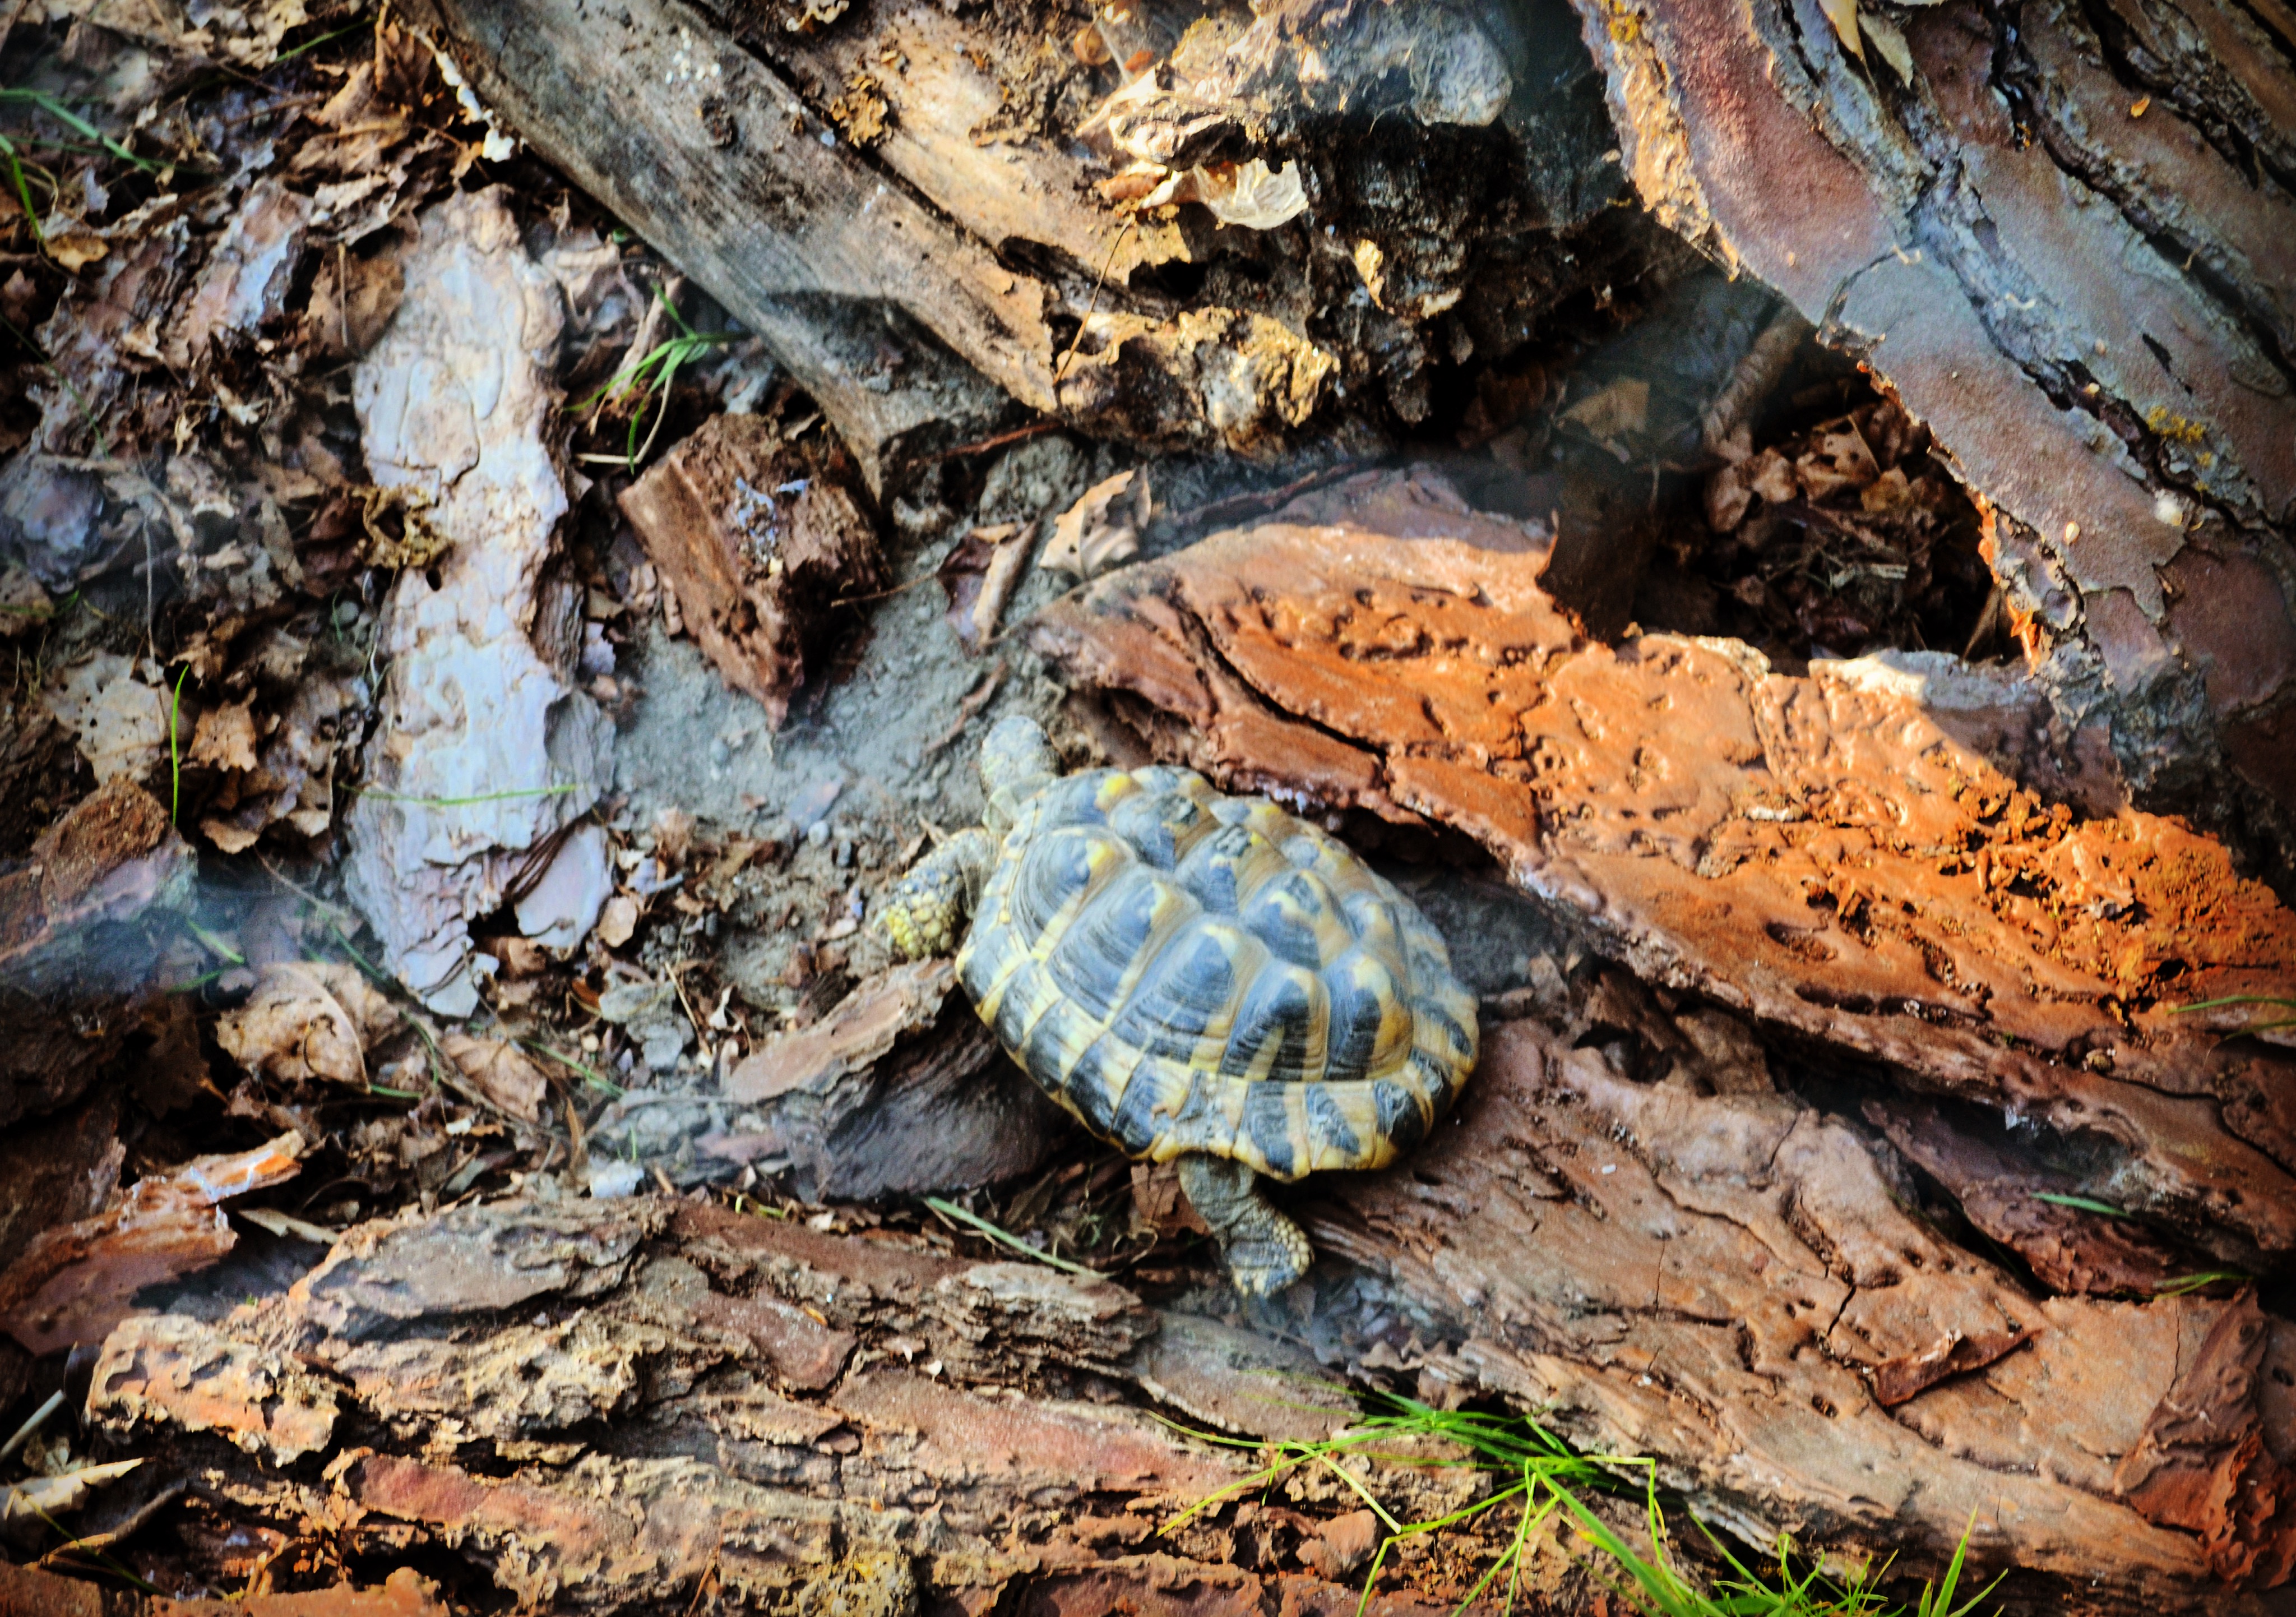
(603, 1405)
(28, 1592)
(973, 203)
(73, 948)
(758, 539)
(1725, 1281)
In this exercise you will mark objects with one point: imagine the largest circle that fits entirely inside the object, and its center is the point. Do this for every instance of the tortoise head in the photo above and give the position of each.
(1016, 763)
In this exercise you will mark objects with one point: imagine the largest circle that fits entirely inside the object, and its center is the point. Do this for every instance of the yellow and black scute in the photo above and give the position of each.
(1191, 972)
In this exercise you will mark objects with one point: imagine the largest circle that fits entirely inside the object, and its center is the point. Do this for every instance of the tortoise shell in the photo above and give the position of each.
(1189, 972)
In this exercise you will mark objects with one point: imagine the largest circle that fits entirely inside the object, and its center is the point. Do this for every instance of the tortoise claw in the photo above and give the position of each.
(1266, 1250)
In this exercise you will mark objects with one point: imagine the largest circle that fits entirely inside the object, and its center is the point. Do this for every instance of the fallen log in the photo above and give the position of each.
(610, 1406)
(622, 1406)
(926, 212)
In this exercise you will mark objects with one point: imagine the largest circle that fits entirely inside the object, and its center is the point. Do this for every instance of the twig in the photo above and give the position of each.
(1757, 373)
(591, 1075)
(882, 593)
(1092, 307)
(1262, 499)
(980, 698)
(1035, 429)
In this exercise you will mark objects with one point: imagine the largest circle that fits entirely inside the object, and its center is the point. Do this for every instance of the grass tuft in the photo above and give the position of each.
(174, 753)
(649, 376)
(2185, 1285)
(1545, 1478)
(2085, 1203)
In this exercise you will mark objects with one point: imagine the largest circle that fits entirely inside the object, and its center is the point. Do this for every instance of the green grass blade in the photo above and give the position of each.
(2085, 1203)
(1005, 1238)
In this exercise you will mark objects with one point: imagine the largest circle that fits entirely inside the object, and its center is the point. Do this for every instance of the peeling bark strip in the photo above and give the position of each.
(485, 758)
(1836, 854)
(2067, 252)
(599, 1406)
(1727, 1282)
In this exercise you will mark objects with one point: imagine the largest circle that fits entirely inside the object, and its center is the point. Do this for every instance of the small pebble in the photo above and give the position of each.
(610, 1180)
(816, 834)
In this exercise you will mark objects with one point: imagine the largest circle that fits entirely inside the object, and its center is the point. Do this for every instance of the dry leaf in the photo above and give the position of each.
(1837, 459)
(618, 921)
(1102, 529)
(74, 247)
(352, 301)
(1889, 39)
(224, 737)
(501, 1071)
(1251, 194)
(673, 836)
(23, 603)
(1772, 476)
(519, 957)
(306, 1019)
(120, 723)
(1843, 15)
(35, 1499)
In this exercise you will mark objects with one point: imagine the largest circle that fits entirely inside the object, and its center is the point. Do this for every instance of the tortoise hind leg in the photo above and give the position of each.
(1265, 1252)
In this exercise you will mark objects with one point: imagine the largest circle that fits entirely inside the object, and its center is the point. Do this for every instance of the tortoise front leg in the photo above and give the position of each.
(925, 912)
(1265, 1252)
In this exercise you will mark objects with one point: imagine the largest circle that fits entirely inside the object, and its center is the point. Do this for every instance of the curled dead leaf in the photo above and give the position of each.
(618, 922)
(1251, 194)
(1103, 529)
(37, 1498)
(1621, 408)
(224, 737)
(74, 247)
(499, 1070)
(306, 1019)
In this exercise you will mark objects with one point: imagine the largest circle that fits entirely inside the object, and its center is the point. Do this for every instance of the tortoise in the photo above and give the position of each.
(1199, 979)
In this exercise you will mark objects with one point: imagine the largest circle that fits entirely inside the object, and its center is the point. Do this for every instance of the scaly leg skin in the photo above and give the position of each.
(925, 914)
(1265, 1252)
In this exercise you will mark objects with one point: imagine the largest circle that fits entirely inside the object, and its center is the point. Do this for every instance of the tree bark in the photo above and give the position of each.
(2059, 233)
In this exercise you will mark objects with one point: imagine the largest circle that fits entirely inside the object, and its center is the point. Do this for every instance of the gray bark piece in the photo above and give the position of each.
(485, 753)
